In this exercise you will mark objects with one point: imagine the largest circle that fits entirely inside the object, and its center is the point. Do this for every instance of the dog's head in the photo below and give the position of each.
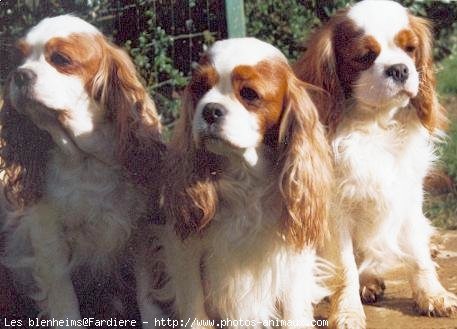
(376, 54)
(75, 91)
(244, 105)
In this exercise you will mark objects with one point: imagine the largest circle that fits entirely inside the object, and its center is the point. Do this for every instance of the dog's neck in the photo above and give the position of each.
(383, 116)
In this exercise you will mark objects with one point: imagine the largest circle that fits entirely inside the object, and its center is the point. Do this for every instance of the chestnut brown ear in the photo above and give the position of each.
(429, 110)
(139, 145)
(190, 197)
(317, 66)
(305, 177)
(24, 150)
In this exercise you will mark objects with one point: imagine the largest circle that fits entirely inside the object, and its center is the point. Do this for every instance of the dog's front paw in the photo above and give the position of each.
(443, 304)
(347, 320)
(372, 291)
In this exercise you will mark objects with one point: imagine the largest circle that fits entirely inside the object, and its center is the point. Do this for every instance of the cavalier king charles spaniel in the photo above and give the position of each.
(374, 63)
(80, 151)
(246, 193)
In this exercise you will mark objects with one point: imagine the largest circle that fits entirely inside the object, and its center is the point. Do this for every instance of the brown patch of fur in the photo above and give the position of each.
(438, 182)
(23, 47)
(408, 41)
(84, 51)
(354, 53)
(203, 79)
(269, 81)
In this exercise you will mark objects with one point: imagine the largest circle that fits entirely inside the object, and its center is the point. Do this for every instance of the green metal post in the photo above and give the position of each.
(234, 13)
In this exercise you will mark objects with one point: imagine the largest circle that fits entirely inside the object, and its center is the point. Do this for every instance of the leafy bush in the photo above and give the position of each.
(152, 59)
(447, 77)
(284, 24)
(449, 153)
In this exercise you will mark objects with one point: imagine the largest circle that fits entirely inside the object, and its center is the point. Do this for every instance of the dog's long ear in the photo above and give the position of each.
(190, 196)
(317, 66)
(429, 110)
(138, 129)
(305, 177)
(24, 150)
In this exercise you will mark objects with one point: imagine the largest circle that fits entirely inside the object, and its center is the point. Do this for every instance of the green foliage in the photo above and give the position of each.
(447, 75)
(152, 59)
(282, 23)
(442, 210)
(447, 85)
(449, 152)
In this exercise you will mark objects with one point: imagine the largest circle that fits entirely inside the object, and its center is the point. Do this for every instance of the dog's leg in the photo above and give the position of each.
(52, 267)
(302, 289)
(431, 297)
(151, 313)
(185, 272)
(346, 310)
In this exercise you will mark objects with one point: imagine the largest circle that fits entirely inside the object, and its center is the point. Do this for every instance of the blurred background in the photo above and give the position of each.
(166, 37)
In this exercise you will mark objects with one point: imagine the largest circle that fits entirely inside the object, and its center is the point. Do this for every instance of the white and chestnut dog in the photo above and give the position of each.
(246, 195)
(80, 145)
(374, 61)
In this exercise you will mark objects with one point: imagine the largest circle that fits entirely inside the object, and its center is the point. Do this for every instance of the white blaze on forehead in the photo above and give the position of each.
(379, 18)
(227, 54)
(59, 26)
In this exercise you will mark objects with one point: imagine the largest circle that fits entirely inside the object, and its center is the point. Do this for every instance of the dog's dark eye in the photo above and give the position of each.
(410, 49)
(249, 94)
(367, 58)
(60, 59)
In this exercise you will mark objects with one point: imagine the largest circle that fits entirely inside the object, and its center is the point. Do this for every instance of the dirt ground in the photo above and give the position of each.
(395, 311)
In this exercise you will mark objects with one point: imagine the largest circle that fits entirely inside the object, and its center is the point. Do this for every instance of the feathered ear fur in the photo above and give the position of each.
(429, 110)
(305, 176)
(24, 152)
(318, 67)
(139, 145)
(190, 196)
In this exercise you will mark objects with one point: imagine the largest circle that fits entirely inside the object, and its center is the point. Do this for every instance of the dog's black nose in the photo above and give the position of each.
(213, 113)
(24, 77)
(398, 72)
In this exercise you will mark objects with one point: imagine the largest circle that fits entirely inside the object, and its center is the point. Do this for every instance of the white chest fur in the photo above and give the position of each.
(386, 160)
(380, 167)
(97, 207)
(87, 205)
